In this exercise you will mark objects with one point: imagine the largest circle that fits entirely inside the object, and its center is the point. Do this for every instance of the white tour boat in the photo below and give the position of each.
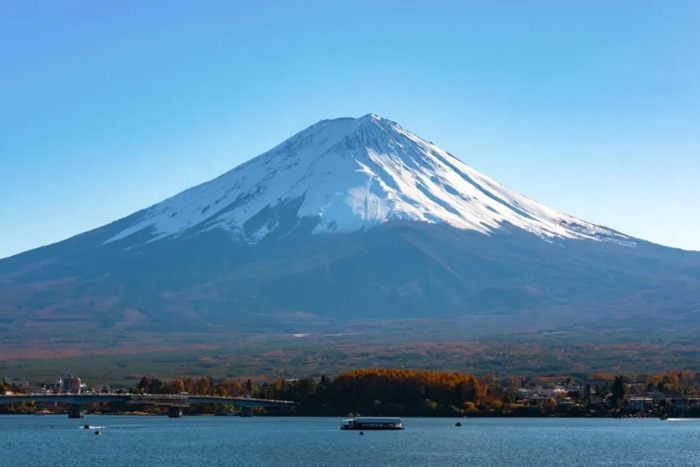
(371, 423)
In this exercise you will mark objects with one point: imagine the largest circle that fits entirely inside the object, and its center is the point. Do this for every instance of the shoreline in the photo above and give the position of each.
(457, 418)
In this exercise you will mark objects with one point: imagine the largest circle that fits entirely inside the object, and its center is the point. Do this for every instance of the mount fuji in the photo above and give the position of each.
(352, 220)
(347, 175)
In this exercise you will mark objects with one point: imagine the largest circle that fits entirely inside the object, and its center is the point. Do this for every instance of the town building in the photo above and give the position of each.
(70, 385)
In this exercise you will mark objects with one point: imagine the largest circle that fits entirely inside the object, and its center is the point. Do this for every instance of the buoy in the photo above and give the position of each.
(362, 433)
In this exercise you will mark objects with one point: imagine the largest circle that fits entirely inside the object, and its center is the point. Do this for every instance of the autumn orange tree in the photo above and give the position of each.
(400, 391)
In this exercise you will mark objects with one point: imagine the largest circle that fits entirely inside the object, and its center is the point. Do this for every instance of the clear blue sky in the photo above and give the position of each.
(590, 106)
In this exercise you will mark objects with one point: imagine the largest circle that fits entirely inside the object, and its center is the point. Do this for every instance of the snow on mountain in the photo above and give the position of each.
(350, 174)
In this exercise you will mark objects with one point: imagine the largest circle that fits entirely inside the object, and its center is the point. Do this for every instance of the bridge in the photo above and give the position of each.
(174, 402)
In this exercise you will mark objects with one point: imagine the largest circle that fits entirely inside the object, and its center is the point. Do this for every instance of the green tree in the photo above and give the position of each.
(619, 390)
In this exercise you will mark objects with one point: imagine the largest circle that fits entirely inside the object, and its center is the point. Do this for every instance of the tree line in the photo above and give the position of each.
(405, 392)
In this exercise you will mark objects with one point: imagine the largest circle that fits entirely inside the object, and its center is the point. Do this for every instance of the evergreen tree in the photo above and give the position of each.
(619, 390)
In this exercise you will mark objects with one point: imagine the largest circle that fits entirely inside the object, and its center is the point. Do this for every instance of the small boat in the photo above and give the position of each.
(372, 423)
(458, 424)
(98, 432)
(86, 427)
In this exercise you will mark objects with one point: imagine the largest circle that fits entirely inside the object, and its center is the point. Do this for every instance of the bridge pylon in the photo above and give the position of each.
(75, 411)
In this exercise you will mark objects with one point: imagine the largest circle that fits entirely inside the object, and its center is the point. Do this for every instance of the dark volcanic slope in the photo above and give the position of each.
(395, 271)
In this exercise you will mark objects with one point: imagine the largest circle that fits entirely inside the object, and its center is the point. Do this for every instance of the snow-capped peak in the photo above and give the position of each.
(349, 174)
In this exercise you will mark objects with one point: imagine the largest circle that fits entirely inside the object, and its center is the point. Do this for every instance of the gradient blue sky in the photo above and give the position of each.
(592, 107)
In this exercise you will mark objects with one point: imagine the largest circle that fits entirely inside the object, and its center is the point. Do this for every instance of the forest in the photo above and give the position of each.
(405, 392)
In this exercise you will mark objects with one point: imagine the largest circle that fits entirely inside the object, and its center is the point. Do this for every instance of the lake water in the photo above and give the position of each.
(261, 441)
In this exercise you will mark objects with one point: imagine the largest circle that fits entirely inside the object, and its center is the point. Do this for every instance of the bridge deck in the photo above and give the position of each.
(169, 400)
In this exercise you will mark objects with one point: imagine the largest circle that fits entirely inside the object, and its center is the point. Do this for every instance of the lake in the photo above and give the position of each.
(291, 441)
